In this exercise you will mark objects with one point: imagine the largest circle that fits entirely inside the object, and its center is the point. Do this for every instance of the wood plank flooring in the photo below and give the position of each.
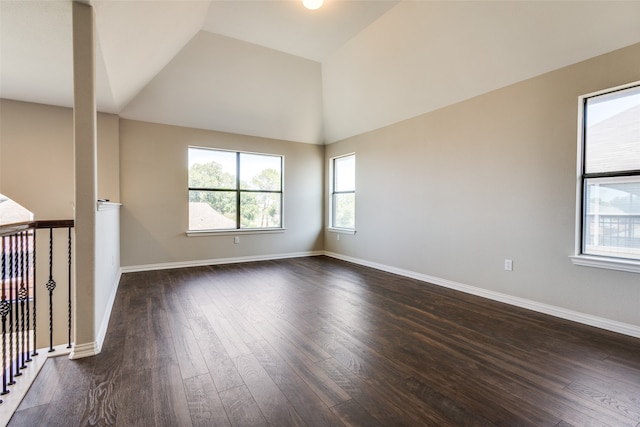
(320, 342)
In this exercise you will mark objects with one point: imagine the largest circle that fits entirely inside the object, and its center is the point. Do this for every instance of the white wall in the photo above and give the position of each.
(154, 182)
(107, 266)
(452, 193)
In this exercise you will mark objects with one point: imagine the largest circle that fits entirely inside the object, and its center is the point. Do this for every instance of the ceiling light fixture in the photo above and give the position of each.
(312, 4)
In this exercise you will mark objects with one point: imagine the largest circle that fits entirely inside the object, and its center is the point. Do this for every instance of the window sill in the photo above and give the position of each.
(201, 233)
(607, 263)
(341, 230)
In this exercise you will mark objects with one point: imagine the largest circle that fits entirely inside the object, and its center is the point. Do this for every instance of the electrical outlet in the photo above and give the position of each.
(236, 239)
(508, 264)
(337, 237)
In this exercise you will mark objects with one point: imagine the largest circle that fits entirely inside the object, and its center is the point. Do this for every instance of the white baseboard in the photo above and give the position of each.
(216, 261)
(84, 350)
(586, 319)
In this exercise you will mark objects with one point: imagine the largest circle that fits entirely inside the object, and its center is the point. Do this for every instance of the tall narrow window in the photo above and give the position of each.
(234, 190)
(343, 194)
(611, 174)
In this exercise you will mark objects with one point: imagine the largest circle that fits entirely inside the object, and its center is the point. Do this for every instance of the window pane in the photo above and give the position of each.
(344, 173)
(613, 132)
(212, 169)
(344, 210)
(212, 210)
(260, 210)
(260, 172)
(612, 218)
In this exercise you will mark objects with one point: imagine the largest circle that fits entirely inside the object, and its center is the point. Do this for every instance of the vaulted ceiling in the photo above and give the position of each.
(274, 69)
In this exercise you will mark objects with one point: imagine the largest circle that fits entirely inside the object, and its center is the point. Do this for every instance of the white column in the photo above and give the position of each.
(85, 153)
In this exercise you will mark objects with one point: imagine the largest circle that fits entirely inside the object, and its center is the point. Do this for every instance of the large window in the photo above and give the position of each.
(231, 190)
(610, 174)
(343, 192)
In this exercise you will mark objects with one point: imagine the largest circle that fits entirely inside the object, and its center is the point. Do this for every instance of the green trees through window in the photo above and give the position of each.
(234, 190)
(343, 194)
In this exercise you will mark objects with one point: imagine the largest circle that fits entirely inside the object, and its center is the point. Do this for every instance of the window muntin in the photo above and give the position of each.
(611, 174)
(234, 190)
(343, 194)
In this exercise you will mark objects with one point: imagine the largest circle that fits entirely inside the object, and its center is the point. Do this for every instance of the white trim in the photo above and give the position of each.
(102, 332)
(192, 233)
(579, 184)
(107, 206)
(80, 351)
(341, 230)
(579, 258)
(611, 90)
(201, 233)
(607, 263)
(215, 261)
(331, 185)
(17, 392)
(586, 319)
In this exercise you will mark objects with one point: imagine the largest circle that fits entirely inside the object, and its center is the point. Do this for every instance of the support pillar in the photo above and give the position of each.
(85, 162)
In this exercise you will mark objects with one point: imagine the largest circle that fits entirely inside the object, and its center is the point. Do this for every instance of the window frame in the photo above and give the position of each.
(333, 193)
(238, 192)
(581, 258)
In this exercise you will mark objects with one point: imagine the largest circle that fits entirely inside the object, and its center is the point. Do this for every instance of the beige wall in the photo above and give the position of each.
(37, 157)
(449, 194)
(109, 157)
(36, 167)
(452, 193)
(153, 166)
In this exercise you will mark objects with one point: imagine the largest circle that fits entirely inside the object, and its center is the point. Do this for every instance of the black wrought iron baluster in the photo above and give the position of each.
(5, 309)
(22, 298)
(30, 285)
(51, 285)
(35, 301)
(11, 337)
(69, 290)
(14, 300)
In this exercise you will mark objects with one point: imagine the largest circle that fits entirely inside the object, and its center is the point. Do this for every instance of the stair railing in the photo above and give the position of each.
(19, 314)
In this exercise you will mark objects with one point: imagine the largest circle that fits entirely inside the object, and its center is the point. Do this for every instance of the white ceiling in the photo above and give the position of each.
(274, 69)
(288, 27)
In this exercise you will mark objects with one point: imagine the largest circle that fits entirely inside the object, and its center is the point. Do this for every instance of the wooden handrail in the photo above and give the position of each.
(54, 223)
(8, 229)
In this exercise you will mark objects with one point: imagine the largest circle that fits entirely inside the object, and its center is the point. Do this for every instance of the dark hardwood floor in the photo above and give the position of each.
(317, 341)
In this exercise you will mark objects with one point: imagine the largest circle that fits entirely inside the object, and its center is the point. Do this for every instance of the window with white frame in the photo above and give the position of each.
(230, 190)
(343, 192)
(610, 174)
